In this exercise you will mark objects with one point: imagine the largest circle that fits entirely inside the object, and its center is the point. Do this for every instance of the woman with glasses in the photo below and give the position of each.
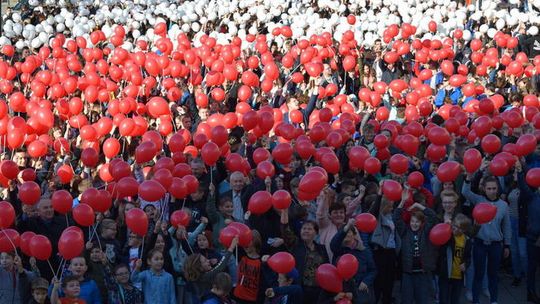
(120, 289)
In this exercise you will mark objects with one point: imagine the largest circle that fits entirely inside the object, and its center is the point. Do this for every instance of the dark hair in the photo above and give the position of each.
(120, 266)
(312, 223)
(224, 199)
(419, 215)
(223, 282)
(152, 252)
(67, 279)
(337, 206)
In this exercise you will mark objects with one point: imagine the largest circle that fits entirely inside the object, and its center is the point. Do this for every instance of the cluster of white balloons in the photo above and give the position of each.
(242, 17)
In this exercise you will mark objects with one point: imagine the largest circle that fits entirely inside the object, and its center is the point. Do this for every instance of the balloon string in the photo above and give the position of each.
(10, 241)
(52, 269)
(189, 246)
(67, 220)
(60, 268)
(142, 246)
(183, 203)
(236, 254)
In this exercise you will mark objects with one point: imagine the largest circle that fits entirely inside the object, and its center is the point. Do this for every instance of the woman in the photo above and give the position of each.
(308, 254)
(120, 289)
(368, 77)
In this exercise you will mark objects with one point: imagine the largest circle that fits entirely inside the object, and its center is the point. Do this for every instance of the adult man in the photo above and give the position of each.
(49, 225)
(237, 182)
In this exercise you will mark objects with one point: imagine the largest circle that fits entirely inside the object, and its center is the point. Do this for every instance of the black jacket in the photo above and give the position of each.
(446, 256)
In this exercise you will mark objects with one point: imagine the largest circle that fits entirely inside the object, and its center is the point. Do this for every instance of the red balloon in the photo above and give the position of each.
(526, 144)
(498, 166)
(372, 165)
(29, 193)
(282, 153)
(28, 174)
(26, 237)
(127, 187)
(137, 221)
(440, 234)
(399, 164)
(328, 278)
(178, 188)
(40, 247)
(227, 234)
(179, 218)
(347, 266)
(210, 153)
(448, 171)
(305, 149)
(366, 222)
(330, 163)
(392, 190)
(151, 191)
(265, 169)
(281, 199)
(192, 183)
(357, 156)
(532, 178)
(70, 244)
(9, 169)
(260, 202)
(415, 179)
(145, 152)
(491, 144)
(7, 215)
(83, 215)
(65, 174)
(62, 201)
(439, 136)
(245, 235)
(484, 213)
(472, 160)
(89, 157)
(282, 262)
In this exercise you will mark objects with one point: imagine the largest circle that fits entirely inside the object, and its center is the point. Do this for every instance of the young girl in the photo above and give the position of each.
(418, 255)
(120, 290)
(202, 246)
(197, 269)
(454, 258)
(158, 285)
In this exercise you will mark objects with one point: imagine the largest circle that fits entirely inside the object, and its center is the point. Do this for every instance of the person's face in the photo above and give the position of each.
(293, 104)
(40, 295)
(456, 230)
(95, 255)
(448, 204)
(205, 263)
(347, 200)
(350, 239)
(415, 224)
(6, 261)
(202, 241)
(283, 280)
(20, 159)
(129, 206)
(491, 189)
(197, 169)
(122, 275)
(78, 267)
(448, 186)
(150, 211)
(72, 289)
(109, 232)
(186, 123)
(156, 262)
(237, 183)
(337, 217)
(134, 240)
(45, 209)
(197, 195)
(369, 135)
(308, 232)
(279, 183)
(366, 69)
(160, 243)
(348, 189)
(226, 208)
(203, 114)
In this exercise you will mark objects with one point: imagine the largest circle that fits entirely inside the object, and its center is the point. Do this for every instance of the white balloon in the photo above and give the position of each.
(491, 33)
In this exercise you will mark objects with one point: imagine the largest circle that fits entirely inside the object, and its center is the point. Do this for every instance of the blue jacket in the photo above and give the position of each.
(294, 294)
(157, 288)
(89, 292)
(366, 266)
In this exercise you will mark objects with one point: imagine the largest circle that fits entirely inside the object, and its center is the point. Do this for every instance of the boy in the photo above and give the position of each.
(454, 258)
(111, 246)
(39, 291)
(71, 288)
(288, 290)
(221, 287)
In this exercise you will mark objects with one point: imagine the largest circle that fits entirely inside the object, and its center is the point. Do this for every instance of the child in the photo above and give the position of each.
(202, 246)
(11, 274)
(96, 269)
(454, 258)
(158, 285)
(288, 290)
(348, 241)
(71, 289)
(418, 255)
(88, 289)
(111, 246)
(220, 290)
(198, 270)
(219, 217)
(120, 290)
(39, 291)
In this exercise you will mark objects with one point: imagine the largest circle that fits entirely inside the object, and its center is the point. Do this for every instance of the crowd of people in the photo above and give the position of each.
(253, 152)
